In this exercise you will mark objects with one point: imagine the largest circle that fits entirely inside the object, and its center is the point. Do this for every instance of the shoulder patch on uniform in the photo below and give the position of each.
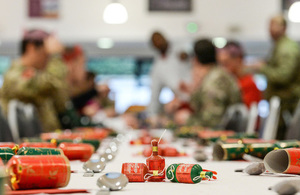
(28, 73)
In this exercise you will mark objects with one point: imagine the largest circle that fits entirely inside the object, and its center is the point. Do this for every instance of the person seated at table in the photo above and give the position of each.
(105, 102)
(75, 59)
(167, 71)
(95, 98)
(81, 83)
(87, 94)
(212, 91)
(231, 58)
(181, 99)
(38, 77)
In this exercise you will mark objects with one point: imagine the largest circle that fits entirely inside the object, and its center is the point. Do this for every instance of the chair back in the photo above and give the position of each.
(271, 124)
(23, 120)
(252, 120)
(235, 118)
(5, 131)
(293, 131)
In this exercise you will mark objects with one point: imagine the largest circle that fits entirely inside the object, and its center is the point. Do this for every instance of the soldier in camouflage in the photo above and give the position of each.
(282, 70)
(214, 88)
(31, 80)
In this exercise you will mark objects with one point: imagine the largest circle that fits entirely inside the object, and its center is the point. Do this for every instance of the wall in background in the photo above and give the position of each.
(81, 20)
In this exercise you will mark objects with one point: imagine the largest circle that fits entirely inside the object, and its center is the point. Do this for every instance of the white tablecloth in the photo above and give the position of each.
(228, 182)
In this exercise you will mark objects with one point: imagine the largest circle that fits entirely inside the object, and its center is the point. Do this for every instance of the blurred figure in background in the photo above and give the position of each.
(167, 71)
(212, 91)
(181, 100)
(31, 80)
(90, 100)
(282, 70)
(81, 89)
(86, 94)
(87, 98)
(75, 59)
(104, 101)
(231, 57)
(94, 98)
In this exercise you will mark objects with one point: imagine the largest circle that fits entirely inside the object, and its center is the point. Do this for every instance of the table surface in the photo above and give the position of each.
(228, 182)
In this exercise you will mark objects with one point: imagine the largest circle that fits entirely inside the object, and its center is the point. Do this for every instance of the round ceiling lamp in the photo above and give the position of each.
(219, 42)
(294, 12)
(105, 43)
(115, 13)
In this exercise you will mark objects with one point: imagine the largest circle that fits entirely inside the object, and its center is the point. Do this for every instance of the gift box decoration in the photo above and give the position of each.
(232, 151)
(245, 141)
(6, 154)
(39, 151)
(283, 161)
(32, 139)
(166, 151)
(36, 172)
(94, 142)
(213, 136)
(287, 144)
(38, 145)
(77, 151)
(7, 144)
(135, 172)
(170, 151)
(171, 172)
(191, 173)
(259, 150)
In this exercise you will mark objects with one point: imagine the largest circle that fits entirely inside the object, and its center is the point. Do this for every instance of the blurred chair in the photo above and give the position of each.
(5, 132)
(270, 129)
(293, 131)
(235, 118)
(252, 119)
(23, 120)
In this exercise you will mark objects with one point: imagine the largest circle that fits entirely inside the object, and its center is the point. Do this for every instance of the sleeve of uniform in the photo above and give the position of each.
(214, 106)
(58, 70)
(33, 83)
(214, 98)
(287, 63)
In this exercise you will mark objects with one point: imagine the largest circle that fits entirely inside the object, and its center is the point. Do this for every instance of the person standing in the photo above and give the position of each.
(167, 71)
(282, 70)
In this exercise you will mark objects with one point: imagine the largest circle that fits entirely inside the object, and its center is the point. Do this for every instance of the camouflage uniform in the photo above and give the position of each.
(43, 88)
(218, 90)
(283, 75)
(59, 70)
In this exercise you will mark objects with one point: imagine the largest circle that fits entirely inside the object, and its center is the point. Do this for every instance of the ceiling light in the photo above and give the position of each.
(219, 42)
(294, 12)
(115, 13)
(105, 43)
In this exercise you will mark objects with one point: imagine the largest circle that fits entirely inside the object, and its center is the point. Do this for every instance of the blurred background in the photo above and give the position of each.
(116, 41)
